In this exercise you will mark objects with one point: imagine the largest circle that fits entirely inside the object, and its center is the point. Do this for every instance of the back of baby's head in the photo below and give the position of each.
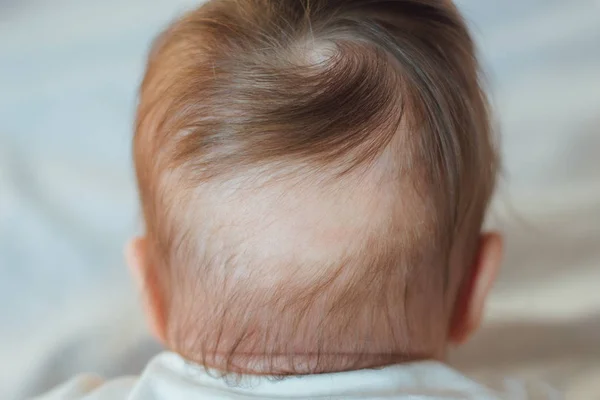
(313, 176)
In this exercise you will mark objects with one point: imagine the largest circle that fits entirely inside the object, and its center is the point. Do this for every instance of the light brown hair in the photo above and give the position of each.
(315, 93)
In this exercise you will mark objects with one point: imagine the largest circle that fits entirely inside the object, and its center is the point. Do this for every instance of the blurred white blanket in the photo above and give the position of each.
(68, 76)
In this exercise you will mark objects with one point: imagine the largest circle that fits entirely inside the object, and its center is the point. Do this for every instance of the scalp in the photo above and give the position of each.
(308, 166)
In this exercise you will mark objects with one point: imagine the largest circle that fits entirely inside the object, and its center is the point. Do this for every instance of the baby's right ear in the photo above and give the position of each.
(144, 274)
(472, 296)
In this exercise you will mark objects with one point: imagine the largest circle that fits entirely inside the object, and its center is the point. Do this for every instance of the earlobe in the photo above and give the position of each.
(462, 323)
(470, 303)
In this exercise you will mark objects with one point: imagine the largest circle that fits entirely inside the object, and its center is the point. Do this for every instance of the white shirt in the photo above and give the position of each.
(170, 377)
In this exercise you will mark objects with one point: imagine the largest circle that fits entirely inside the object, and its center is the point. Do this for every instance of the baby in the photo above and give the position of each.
(313, 177)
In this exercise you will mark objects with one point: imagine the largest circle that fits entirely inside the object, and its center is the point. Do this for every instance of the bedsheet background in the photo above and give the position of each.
(68, 76)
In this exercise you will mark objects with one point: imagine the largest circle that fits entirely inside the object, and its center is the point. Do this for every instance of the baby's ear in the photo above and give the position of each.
(135, 256)
(144, 274)
(470, 303)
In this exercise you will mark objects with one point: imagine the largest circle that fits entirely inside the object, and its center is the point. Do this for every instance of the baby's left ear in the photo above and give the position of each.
(135, 256)
(144, 274)
(470, 304)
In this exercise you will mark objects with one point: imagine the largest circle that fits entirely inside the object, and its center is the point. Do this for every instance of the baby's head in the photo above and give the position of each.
(313, 176)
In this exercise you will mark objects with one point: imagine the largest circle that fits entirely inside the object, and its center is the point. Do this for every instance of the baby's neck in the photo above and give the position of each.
(303, 364)
(295, 339)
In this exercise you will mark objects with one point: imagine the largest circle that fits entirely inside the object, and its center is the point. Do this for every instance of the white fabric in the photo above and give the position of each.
(169, 377)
